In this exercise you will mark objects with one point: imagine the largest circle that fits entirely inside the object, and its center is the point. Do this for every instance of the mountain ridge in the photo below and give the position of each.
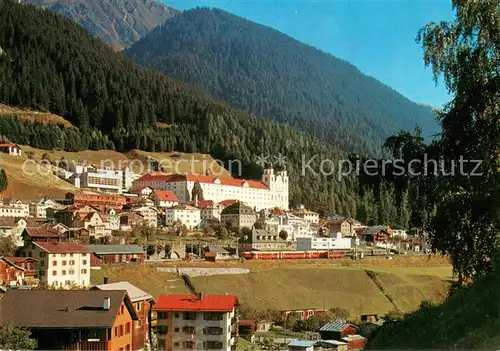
(118, 23)
(268, 73)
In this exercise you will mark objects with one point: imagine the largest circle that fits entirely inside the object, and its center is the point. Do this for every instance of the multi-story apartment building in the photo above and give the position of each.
(335, 243)
(164, 198)
(238, 215)
(142, 303)
(11, 211)
(16, 203)
(60, 264)
(202, 322)
(187, 215)
(262, 240)
(296, 227)
(149, 215)
(103, 179)
(39, 208)
(98, 200)
(270, 192)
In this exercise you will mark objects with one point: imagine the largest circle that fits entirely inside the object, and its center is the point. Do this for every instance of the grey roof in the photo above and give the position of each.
(133, 291)
(216, 249)
(62, 308)
(335, 326)
(115, 249)
(301, 343)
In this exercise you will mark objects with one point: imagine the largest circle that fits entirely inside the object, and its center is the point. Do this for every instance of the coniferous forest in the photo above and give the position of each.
(51, 64)
(268, 73)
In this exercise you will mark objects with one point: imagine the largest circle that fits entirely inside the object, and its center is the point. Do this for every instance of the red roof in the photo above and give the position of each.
(165, 195)
(62, 247)
(17, 260)
(41, 232)
(171, 178)
(208, 303)
(138, 188)
(9, 145)
(203, 203)
(226, 203)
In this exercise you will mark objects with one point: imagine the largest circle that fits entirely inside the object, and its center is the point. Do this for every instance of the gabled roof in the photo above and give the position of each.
(301, 343)
(336, 326)
(226, 203)
(238, 208)
(172, 177)
(64, 309)
(208, 303)
(183, 207)
(11, 263)
(61, 247)
(165, 195)
(18, 260)
(41, 232)
(9, 144)
(133, 291)
(115, 249)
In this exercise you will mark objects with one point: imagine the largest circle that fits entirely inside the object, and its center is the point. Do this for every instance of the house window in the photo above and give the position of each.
(176, 315)
(63, 272)
(162, 315)
(212, 316)
(72, 263)
(84, 271)
(42, 254)
(176, 330)
(162, 329)
(71, 255)
(63, 255)
(189, 316)
(122, 309)
(64, 263)
(54, 272)
(127, 328)
(84, 262)
(138, 306)
(121, 330)
(42, 263)
(84, 255)
(115, 332)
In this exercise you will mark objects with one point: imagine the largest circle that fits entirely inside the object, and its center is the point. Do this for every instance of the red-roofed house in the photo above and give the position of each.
(271, 191)
(10, 272)
(143, 191)
(203, 322)
(60, 264)
(11, 149)
(187, 215)
(164, 198)
(45, 234)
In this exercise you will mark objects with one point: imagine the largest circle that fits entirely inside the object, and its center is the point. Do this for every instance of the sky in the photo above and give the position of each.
(377, 36)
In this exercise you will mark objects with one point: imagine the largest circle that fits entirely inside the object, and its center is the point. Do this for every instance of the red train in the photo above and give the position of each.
(292, 255)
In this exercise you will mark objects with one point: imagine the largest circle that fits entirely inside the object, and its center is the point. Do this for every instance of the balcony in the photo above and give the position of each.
(88, 346)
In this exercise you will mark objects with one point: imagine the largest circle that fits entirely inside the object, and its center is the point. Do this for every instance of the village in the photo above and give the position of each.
(51, 247)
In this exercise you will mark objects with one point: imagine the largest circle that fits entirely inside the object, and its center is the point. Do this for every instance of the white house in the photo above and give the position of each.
(336, 243)
(11, 211)
(203, 322)
(270, 192)
(60, 264)
(13, 228)
(308, 216)
(164, 198)
(39, 209)
(149, 215)
(187, 215)
(11, 149)
(22, 205)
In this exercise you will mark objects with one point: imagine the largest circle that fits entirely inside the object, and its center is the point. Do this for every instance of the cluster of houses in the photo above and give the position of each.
(121, 316)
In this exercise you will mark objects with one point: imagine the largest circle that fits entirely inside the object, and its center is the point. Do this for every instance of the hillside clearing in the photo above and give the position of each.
(295, 284)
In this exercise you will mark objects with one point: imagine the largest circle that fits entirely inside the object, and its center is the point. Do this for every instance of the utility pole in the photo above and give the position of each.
(237, 240)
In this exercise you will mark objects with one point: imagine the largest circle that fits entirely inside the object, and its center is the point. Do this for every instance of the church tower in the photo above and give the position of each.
(277, 184)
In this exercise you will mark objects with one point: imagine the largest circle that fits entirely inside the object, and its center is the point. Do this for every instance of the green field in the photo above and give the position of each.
(303, 285)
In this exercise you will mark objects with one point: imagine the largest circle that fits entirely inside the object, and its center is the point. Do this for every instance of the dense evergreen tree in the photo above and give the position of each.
(267, 73)
(3, 180)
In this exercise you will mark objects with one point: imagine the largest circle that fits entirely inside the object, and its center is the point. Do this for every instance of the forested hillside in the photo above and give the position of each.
(50, 63)
(267, 73)
(117, 22)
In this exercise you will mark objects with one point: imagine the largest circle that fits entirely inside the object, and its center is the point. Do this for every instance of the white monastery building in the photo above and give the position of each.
(270, 192)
